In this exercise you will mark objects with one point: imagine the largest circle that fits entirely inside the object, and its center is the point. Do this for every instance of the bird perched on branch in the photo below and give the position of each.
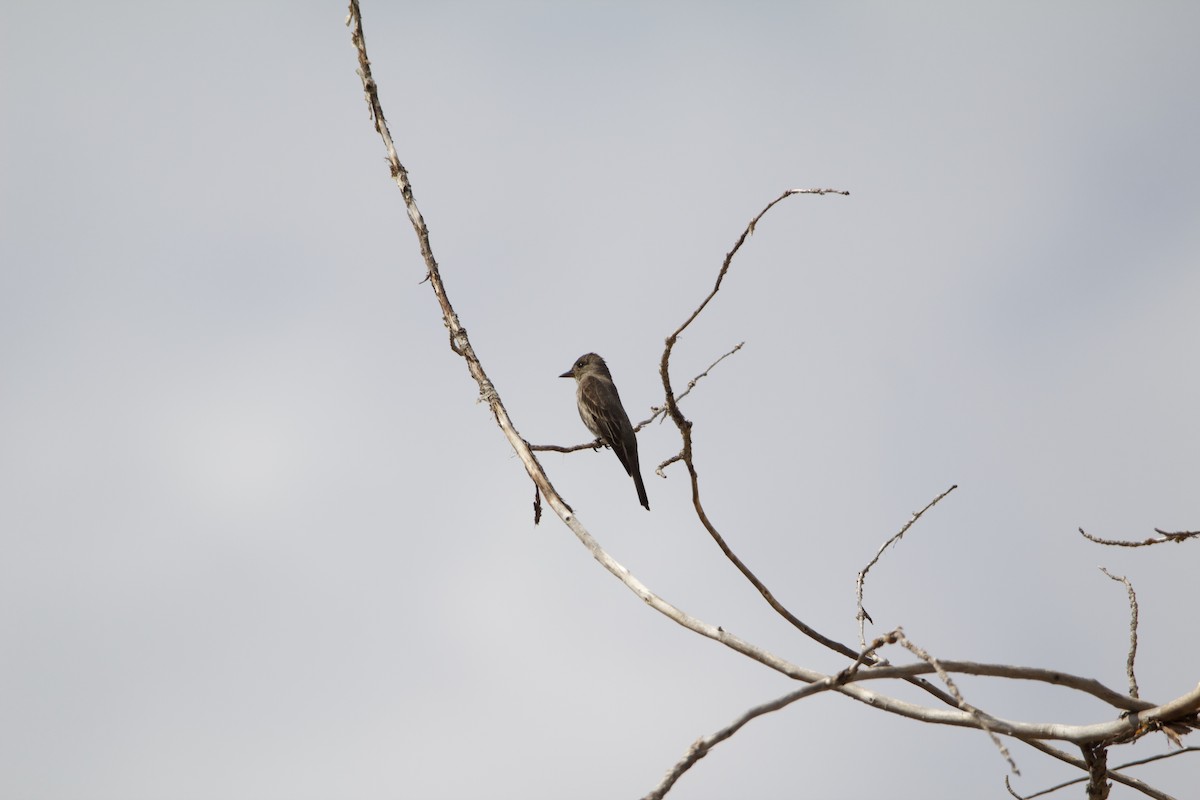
(601, 411)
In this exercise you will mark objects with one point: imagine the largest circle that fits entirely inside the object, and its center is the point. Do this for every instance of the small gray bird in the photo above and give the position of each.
(601, 411)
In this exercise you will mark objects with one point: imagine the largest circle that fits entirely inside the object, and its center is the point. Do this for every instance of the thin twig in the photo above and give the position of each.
(862, 615)
(1133, 630)
(1164, 536)
(1158, 757)
(984, 720)
(595, 444)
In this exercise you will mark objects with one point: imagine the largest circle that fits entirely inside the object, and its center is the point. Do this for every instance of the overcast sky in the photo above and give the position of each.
(260, 540)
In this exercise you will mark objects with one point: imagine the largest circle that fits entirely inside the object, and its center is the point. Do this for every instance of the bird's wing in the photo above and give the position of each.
(602, 412)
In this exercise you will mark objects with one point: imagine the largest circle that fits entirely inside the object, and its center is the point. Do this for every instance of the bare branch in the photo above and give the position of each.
(1158, 757)
(1164, 536)
(1133, 630)
(595, 444)
(862, 615)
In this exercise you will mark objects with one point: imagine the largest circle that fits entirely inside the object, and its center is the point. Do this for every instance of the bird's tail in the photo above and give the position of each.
(641, 489)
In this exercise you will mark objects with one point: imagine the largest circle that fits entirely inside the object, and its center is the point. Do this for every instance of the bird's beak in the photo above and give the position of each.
(567, 374)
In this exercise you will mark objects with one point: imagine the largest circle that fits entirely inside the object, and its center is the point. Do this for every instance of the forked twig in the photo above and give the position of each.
(661, 411)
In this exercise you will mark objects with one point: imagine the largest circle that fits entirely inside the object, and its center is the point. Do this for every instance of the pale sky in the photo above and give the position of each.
(260, 541)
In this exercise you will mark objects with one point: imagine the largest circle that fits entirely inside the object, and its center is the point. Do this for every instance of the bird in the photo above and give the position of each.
(601, 411)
